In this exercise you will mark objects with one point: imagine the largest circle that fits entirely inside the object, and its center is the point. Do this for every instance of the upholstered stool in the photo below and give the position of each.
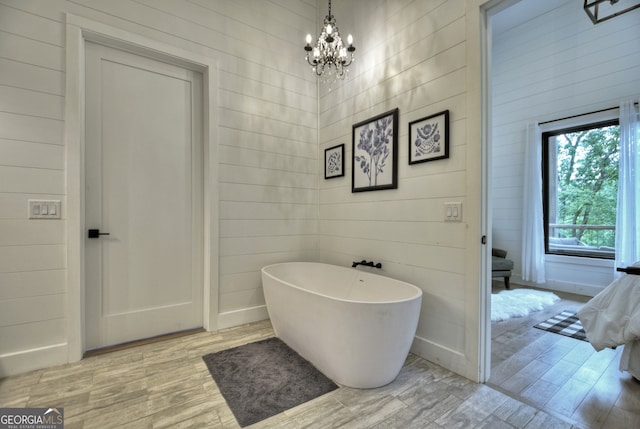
(500, 265)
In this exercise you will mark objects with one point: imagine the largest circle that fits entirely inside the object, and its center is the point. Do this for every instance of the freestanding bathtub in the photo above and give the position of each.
(354, 326)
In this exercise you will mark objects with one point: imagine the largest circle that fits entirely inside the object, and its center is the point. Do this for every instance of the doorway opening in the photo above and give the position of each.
(545, 370)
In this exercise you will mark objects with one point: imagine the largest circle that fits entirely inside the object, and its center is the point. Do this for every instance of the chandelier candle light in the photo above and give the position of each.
(330, 53)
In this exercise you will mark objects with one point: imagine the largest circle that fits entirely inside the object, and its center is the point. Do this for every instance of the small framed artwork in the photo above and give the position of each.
(374, 162)
(429, 138)
(334, 162)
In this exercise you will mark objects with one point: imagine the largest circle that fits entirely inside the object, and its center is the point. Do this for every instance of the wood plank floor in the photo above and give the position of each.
(561, 375)
(167, 385)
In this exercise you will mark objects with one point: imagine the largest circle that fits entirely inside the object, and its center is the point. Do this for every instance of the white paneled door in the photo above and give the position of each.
(143, 197)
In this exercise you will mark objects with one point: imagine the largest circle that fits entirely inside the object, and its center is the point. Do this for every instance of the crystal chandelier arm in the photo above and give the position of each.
(312, 63)
(346, 63)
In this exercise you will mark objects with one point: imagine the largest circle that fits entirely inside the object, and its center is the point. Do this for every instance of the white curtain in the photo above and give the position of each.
(628, 219)
(533, 228)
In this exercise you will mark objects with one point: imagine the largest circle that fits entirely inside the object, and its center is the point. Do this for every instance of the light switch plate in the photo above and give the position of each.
(453, 212)
(44, 209)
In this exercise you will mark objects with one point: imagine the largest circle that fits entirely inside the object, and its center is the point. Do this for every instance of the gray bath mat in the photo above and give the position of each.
(261, 379)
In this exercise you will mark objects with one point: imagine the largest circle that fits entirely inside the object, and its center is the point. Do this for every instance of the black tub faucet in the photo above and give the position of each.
(367, 264)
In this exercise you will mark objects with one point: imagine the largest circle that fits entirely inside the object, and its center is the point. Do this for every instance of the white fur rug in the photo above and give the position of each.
(519, 303)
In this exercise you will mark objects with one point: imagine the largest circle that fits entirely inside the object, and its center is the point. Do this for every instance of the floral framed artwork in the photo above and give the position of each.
(429, 138)
(375, 153)
(334, 162)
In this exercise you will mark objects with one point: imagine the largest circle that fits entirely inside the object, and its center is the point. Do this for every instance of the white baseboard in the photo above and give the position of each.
(561, 286)
(230, 319)
(29, 360)
(441, 355)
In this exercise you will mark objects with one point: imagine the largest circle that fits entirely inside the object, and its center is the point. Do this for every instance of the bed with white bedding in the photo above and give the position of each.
(612, 318)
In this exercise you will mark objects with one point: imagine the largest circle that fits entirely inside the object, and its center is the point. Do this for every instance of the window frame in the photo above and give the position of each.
(545, 136)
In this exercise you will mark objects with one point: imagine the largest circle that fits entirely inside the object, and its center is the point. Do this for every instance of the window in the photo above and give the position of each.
(580, 185)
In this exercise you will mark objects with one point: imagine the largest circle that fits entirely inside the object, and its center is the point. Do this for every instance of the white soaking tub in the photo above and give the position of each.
(354, 326)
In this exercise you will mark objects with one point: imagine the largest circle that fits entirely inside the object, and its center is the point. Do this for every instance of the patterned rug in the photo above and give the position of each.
(261, 379)
(565, 323)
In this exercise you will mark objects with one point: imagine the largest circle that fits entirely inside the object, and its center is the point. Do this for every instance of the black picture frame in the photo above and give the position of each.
(334, 162)
(374, 159)
(429, 138)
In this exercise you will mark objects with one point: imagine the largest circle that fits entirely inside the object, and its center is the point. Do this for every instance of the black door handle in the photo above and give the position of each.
(95, 233)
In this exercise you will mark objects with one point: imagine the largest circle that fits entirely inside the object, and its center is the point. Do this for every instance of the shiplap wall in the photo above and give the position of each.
(413, 59)
(274, 204)
(267, 148)
(556, 65)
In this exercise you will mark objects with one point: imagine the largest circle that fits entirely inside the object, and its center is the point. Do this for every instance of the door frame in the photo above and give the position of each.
(487, 9)
(78, 31)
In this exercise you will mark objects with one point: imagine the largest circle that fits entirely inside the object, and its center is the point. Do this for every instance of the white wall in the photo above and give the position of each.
(555, 65)
(420, 56)
(412, 55)
(267, 150)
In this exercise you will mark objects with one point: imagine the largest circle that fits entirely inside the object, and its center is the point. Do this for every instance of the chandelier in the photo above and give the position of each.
(602, 10)
(330, 54)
